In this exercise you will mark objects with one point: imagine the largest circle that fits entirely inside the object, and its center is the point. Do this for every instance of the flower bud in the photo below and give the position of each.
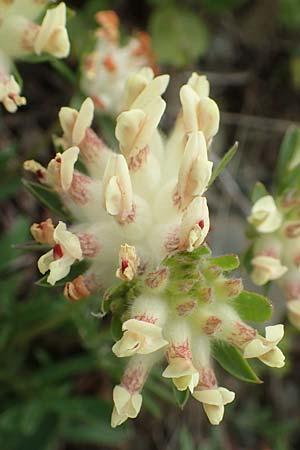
(76, 290)
(43, 232)
(129, 262)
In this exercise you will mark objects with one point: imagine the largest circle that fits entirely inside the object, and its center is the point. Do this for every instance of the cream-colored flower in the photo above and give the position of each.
(195, 169)
(75, 123)
(60, 170)
(213, 401)
(293, 307)
(117, 189)
(266, 268)
(136, 127)
(266, 348)
(184, 375)
(199, 111)
(127, 405)
(139, 337)
(265, 216)
(66, 251)
(52, 36)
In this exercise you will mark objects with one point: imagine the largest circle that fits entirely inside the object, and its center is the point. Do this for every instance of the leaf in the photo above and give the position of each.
(258, 192)
(226, 262)
(30, 246)
(47, 197)
(99, 433)
(253, 307)
(181, 397)
(185, 439)
(179, 37)
(289, 14)
(223, 163)
(62, 370)
(288, 158)
(231, 359)
(247, 258)
(116, 327)
(18, 232)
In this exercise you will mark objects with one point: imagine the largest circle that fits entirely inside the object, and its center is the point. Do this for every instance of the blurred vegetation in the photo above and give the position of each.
(57, 369)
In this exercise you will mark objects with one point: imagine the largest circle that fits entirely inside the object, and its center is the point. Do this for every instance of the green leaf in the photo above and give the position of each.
(32, 246)
(171, 28)
(247, 258)
(99, 433)
(252, 306)
(289, 14)
(231, 359)
(62, 370)
(47, 197)
(18, 232)
(181, 397)
(226, 262)
(288, 159)
(223, 163)
(185, 439)
(116, 327)
(258, 192)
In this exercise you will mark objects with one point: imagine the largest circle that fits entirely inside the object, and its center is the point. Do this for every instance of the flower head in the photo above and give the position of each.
(140, 219)
(107, 67)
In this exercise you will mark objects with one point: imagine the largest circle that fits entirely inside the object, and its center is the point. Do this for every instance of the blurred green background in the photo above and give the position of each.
(57, 369)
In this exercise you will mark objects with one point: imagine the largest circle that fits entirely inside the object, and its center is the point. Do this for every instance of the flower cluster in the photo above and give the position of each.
(107, 67)
(21, 36)
(276, 247)
(140, 219)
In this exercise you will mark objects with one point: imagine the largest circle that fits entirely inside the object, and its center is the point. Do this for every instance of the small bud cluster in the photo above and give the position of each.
(140, 218)
(107, 67)
(276, 247)
(21, 36)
